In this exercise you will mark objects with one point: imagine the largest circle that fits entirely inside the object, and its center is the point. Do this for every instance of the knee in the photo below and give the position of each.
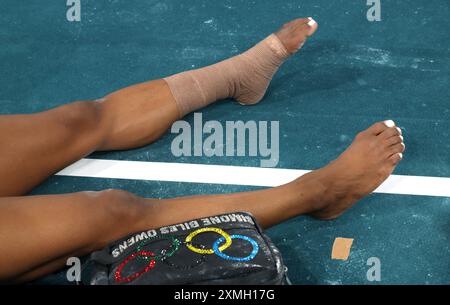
(83, 120)
(81, 115)
(118, 205)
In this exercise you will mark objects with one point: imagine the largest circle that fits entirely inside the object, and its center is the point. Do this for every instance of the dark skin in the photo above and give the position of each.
(35, 146)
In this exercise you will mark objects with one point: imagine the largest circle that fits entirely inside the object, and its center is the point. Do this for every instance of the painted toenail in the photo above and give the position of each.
(400, 155)
(389, 123)
(311, 21)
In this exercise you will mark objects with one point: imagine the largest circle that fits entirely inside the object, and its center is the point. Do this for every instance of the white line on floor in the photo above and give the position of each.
(236, 175)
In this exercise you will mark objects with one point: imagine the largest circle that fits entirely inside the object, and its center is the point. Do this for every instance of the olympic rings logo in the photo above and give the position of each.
(221, 244)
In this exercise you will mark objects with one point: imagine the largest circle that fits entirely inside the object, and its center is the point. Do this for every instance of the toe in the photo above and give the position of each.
(396, 158)
(294, 34)
(390, 132)
(379, 127)
(297, 22)
(393, 140)
(311, 26)
(305, 26)
(302, 33)
(397, 148)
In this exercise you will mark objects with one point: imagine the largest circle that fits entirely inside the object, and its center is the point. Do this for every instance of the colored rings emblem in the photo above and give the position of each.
(199, 261)
(251, 256)
(165, 253)
(221, 244)
(225, 236)
(118, 274)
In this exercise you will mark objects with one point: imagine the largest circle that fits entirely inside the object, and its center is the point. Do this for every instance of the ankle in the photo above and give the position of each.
(317, 188)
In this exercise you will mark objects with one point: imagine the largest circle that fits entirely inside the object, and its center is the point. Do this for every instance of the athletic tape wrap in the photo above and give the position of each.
(224, 249)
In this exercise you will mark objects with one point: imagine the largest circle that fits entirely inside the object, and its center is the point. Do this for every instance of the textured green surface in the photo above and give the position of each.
(351, 74)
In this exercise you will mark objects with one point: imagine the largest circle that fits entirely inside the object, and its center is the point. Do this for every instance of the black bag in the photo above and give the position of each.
(224, 249)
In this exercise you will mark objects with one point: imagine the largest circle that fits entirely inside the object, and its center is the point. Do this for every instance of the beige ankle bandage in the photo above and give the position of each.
(244, 77)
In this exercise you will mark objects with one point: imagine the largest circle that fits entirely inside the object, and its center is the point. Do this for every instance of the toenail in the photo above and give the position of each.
(400, 155)
(311, 21)
(389, 123)
(399, 130)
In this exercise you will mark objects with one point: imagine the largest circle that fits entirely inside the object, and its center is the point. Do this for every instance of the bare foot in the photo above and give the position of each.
(293, 34)
(366, 163)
